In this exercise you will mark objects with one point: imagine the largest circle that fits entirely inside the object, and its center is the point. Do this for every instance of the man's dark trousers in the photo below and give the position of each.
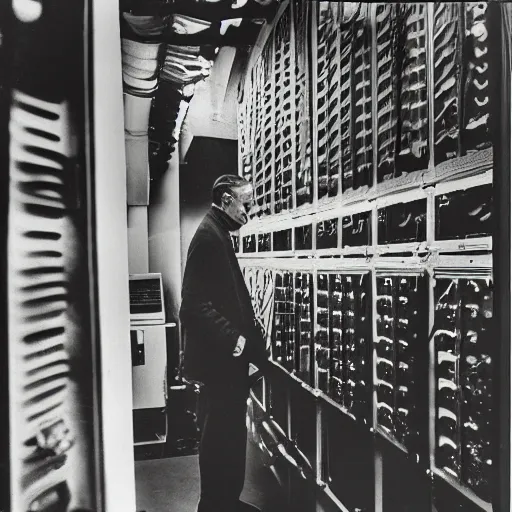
(222, 453)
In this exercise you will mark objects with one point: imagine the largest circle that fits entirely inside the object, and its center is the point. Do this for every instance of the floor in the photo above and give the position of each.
(172, 484)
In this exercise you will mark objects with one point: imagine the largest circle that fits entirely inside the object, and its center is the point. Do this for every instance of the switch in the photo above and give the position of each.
(137, 345)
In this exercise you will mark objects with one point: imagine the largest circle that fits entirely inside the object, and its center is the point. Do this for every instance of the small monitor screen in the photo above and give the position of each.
(145, 296)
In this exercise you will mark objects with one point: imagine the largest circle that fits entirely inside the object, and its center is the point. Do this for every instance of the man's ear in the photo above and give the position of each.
(226, 199)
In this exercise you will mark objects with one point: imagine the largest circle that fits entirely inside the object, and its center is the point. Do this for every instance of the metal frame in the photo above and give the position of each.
(280, 222)
(431, 257)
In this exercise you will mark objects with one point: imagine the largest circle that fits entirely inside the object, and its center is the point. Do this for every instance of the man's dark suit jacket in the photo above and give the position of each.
(216, 307)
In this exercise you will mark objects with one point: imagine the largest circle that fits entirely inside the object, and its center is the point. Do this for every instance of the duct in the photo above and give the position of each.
(210, 115)
(146, 25)
(182, 24)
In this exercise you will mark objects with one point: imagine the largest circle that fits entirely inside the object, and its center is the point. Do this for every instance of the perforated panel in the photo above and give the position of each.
(328, 99)
(244, 130)
(447, 70)
(283, 107)
(463, 316)
(387, 89)
(400, 347)
(347, 94)
(303, 162)
(343, 335)
(284, 339)
(263, 131)
(362, 102)
(413, 105)
(476, 53)
(304, 313)
(322, 338)
(402, 89)
(258, 121)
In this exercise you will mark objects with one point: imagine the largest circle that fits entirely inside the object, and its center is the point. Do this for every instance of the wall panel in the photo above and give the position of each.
(395, 240)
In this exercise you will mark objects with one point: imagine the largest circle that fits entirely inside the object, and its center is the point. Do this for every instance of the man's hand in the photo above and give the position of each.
(240, 345)
(254, 351)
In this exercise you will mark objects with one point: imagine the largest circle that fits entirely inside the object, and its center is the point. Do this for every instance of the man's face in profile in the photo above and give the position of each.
(242, 199)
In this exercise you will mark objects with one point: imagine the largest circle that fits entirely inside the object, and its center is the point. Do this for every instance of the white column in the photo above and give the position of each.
(112, 260)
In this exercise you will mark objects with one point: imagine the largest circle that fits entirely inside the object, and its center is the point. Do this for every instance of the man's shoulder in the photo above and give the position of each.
(206, 232)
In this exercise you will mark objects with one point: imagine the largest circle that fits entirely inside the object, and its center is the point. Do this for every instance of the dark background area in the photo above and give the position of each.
(206, 160)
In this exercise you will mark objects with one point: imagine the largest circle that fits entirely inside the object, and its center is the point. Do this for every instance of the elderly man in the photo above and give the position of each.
(221, 339)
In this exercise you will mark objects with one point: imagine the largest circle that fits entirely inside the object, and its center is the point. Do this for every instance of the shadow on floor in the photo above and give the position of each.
(172, 484)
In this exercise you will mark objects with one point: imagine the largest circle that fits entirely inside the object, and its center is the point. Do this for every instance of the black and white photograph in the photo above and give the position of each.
(255, 256)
